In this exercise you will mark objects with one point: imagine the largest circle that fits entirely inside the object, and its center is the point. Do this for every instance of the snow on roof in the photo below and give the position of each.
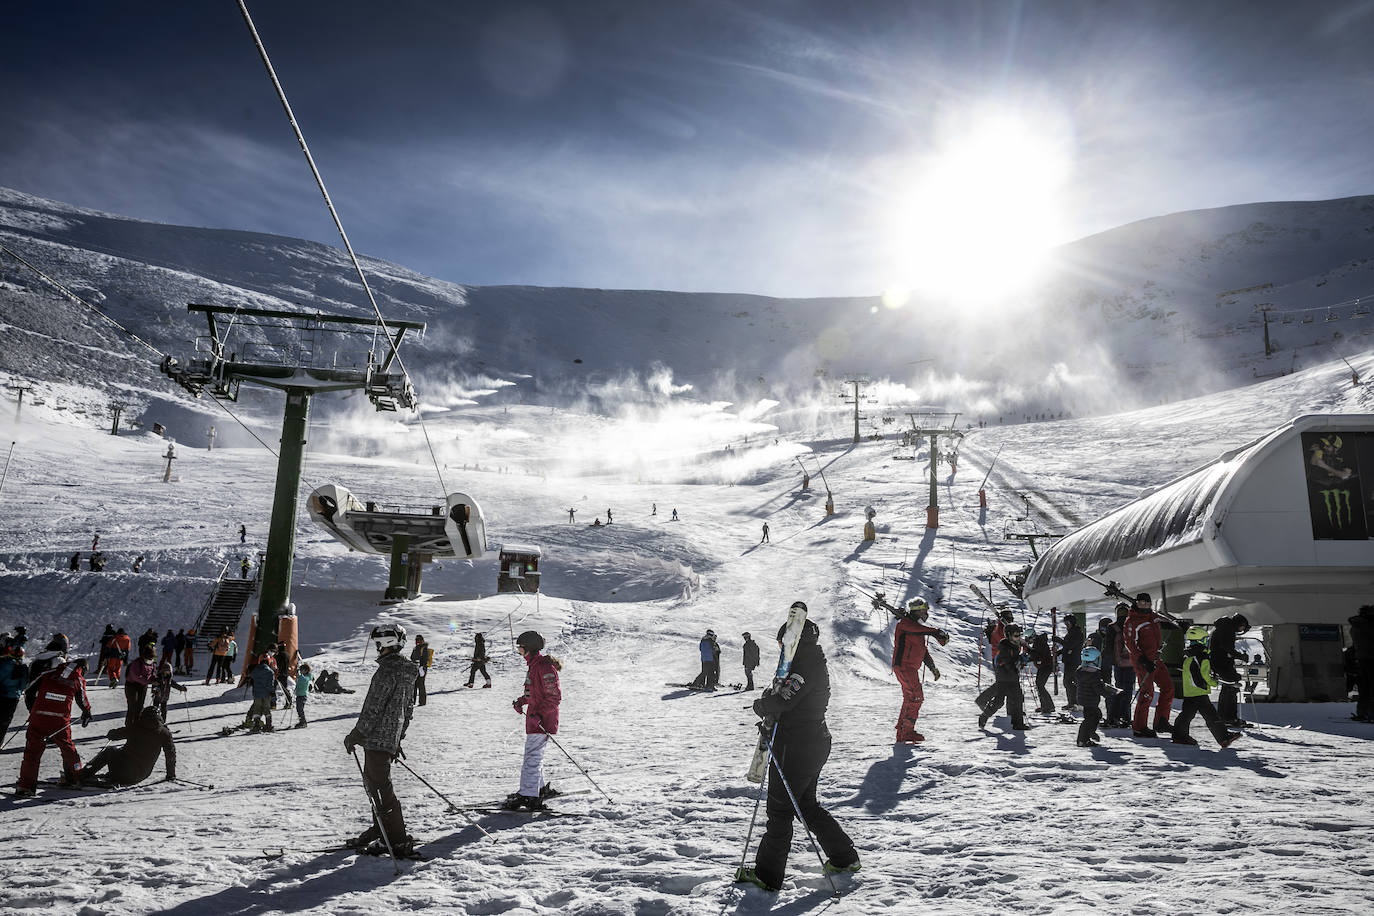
(522, 548)
(1170, 517)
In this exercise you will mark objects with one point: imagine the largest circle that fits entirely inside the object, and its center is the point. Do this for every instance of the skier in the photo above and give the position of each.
(479, 661)
(765, 534)
(95, 541)
(609, 519)
(381, 727)
(1197, 687)
(1068, 652)
(74, 564)
(1007, 687)
(303, 680)
(1043, 658)
(996, 630)
(219, 647)
(14, 675)
(1090, 686)
(142, 672)
(52, 656)
(715, 661)
(801, 747)
(162, 688)
(674, 518)
(179, 652)
(1222, 647)
(131, 764)
(423, 657)
(1123, 671)
(283, 665)
(169, 647)
(121, 645)
(703, 680)
(97, 561)
(539, 704)
(264, 681)
(909, 654)
(51, 720)
(188, 663)
(138, 563)
(1362, 637)
(751, 660)
(243, 534)
(653, 509)
(572, 515)
(1144, 639)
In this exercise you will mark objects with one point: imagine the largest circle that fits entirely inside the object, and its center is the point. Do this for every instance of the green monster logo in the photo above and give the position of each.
(1338, 504)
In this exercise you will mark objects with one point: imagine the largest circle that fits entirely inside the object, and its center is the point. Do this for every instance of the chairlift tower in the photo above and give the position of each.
(858, 399)
(934, 425)
(301, 368)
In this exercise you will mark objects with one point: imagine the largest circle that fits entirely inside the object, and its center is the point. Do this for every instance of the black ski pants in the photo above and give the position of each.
(1092, 716)
(1070, 687)
(1191, 707)
(377, 781)
(478, 667)
(7, 707)
(1008, 692)
(420, 689)
(800, 759)
(1042, 674)
(1364, 683)
(748, 678)
(134, 697)
(123, 772)
(1119, 706)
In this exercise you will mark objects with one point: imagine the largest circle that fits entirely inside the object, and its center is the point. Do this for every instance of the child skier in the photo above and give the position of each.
(539, 704)
(1091, 686)
(1197, 687)
(303, 679)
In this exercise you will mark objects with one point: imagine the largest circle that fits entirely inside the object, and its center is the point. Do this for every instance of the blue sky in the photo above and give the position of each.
(766, 146)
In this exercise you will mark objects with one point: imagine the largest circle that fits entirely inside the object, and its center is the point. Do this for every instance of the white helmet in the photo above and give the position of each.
(389, 636)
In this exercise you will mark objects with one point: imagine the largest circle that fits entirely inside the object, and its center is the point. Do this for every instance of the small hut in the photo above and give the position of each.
(519, 568)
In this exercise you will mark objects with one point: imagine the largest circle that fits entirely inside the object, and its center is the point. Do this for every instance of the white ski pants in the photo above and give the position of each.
(532, 770)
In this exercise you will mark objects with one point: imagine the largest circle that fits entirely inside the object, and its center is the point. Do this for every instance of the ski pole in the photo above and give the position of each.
(758, 799)
(451, 806)
(376, 813)
(190, 782)
(777, 768)
(17, 730)
(575, 763)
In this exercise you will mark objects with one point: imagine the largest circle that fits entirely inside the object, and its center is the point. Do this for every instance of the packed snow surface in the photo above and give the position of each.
(970, 821)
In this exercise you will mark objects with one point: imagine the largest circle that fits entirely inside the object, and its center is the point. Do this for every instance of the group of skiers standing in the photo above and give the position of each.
(709, 650)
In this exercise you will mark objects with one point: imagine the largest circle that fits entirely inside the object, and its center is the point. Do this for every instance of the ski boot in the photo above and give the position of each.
(830, 868)
(1144, 733)
(1188, 740)
(548, 791)
(365, 839)
(25, 791)
(517, 802)
(749, 876)
(1231, 738)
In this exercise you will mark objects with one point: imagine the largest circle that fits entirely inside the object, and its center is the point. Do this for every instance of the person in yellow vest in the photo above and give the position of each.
(1198, 682)
(423, 657)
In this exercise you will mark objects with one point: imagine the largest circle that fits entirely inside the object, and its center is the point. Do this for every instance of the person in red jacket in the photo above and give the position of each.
(997, 631)
(51, 720)
(539, 704)
(120, 644)
(1145, 639)
(909, 653)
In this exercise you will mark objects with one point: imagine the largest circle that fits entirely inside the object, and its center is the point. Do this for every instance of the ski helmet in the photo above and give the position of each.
(57, 644)
(1196, 634)
(746, 634)
(1144, 596)
(918, 608)
(530, 641)
(1090, 658)
(389, 636)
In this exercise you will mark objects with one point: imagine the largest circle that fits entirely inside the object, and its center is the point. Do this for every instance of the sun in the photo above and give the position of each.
(979, 214)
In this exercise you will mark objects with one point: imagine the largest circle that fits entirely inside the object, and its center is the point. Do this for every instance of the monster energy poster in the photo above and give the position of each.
(1337, 464)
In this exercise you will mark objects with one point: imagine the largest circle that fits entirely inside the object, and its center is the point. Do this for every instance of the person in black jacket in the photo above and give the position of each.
(1091, 686)
(131, 764)
(1042, 656)
(1072, 646)
(801, 746)
(479, 661)
(1362, 637)
(1223, 655)
(751, 660)
(1007, 687)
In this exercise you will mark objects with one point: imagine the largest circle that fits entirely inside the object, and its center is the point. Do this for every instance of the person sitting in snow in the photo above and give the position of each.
(131, 764)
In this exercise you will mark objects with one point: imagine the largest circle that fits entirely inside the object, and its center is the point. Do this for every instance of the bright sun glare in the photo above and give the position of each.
(980, 214)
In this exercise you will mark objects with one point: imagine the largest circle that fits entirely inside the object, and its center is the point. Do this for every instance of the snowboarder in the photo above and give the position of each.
(479, 661)
(131, 764)
(1144, 639)
(1068, 652)
(1007, 687)
(801, 747)
(1223, 656)
(909, 655)
(1090, 688)
(329, 683)
(1197, 687)
(1043, 658)
(264, 681)
(539, 704)
(50, 720)
(1362, 637)
(751, 660)
(162, 688)
(74, 564)
(765, 540)
(423, 657)
(142, 672)
(381, 727)
(303, 679)
(14, 675)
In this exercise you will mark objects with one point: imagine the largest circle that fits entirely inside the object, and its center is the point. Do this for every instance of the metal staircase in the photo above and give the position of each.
(224, 608)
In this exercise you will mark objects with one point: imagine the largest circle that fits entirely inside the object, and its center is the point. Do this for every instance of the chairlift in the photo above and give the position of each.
(1308, 319)
(1332, 316)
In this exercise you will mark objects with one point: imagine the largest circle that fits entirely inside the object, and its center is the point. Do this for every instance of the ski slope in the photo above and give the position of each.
(969, 822)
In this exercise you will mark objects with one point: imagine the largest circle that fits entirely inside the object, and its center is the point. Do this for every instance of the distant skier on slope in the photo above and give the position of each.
(381, 727)
(909, 654)
(539, 705)
(479, 661)
(801, 747)
(1145, 639)
(764, 539)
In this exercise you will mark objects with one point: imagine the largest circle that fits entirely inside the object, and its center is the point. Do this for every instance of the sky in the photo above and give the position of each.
(779, 147)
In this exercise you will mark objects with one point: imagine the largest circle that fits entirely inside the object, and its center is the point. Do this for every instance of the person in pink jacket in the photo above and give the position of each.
(539, 704)
(141, 673)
